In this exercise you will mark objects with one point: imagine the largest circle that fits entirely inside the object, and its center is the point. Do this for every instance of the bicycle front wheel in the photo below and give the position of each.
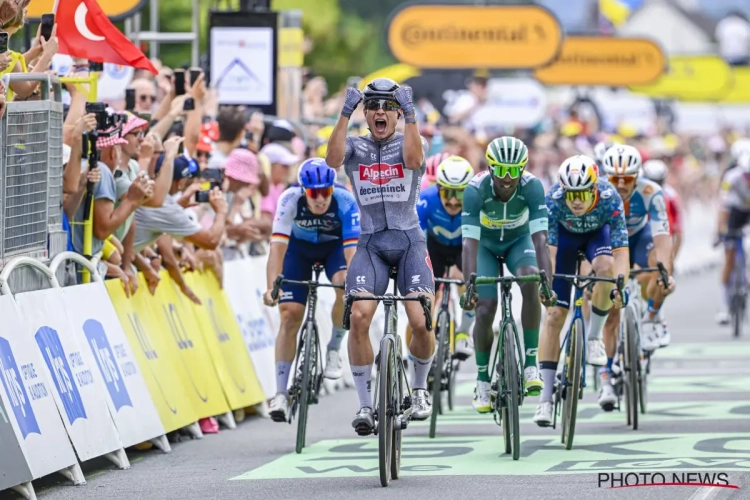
(573, 375)
(386, 409)
(310, 355)
(738, 313)
(512, 388)
(632, 357)
(443, 353)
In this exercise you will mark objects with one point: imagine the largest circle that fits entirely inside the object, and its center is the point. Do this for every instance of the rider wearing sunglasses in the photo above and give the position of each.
(504, 216)
(648, 236)
(585, 214)
(316, 221)
(439, 210)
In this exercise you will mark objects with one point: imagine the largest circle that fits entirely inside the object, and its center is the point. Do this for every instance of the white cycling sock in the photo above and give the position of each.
(548, 381)
(362, 375)
(598, 318)
(282, 376)
(467, 318)
(337, 335)
(421, 371)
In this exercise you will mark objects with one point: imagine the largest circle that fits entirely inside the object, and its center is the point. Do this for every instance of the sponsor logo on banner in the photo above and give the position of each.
(223, 336)
(468, 36)
(105, 359)
(180, 335)
(16, 390)
(145, 345)
(382, 182)
(54, 355)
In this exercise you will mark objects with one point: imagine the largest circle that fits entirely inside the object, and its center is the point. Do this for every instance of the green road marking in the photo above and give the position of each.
(660, 384)
(592, 413)
(697, 350)
(483, 456)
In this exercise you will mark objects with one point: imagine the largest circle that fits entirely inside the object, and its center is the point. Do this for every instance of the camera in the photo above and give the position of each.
(216, 177)
(202, 196)
(106, 118)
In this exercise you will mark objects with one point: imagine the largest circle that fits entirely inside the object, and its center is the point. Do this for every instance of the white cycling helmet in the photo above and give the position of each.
(578, 173)
(656, 170)
(740, 147)
(622, 159)
(600, 148)
(454, 173)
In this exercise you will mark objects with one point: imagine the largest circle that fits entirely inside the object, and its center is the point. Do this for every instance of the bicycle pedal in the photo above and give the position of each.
(460, 356)
(363, 430)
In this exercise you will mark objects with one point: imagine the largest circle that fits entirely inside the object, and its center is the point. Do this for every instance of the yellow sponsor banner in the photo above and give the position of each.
(692, 78)
(181, 334)
(291, 52)
(224, 340)
(740, 93)
(164, 386)
(117, 9)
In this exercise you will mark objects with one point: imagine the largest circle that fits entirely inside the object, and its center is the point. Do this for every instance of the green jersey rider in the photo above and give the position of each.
(505, 216)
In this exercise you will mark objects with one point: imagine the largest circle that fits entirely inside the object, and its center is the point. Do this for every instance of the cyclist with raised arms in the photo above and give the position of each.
(439, 210)
(385, 169)
(657, 171)
(649, 242)
(505, 216)
(585, 214)
(316, 221)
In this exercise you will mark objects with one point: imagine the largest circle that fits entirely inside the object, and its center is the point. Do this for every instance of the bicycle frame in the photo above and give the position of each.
(507, 315)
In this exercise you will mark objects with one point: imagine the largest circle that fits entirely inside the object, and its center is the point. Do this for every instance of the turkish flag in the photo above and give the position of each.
(84, 30)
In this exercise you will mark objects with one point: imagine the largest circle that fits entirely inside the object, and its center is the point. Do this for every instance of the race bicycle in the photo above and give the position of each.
(444, 367)
(508, 383)
(392, 393)
(634, 363)
(308, 366)
(569, 386)
(738, 287)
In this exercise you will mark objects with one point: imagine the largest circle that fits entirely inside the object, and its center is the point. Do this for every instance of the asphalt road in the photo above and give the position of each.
(698, 421)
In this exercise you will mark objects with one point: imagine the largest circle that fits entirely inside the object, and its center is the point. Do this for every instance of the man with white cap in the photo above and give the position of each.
(281, 160)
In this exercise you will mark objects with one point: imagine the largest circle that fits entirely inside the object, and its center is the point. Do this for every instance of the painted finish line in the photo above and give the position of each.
(483, 456)
(592, 413)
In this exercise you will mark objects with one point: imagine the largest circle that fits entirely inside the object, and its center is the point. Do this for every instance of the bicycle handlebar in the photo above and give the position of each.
(530, 278)
(664, 279)
(281, 281)
(449, 281)
(424, 300)
(586, 280)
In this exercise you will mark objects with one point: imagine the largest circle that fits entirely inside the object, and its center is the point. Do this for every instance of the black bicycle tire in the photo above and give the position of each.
(632, 357)
(512, 378)
(574, 390)
(304, 393)
(452, 383)
(397, 400)
(385, 421)
(437, 374)
(737, 313)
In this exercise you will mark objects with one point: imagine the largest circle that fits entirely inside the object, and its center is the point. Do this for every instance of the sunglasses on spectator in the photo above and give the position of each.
(143, 97)
(139, 134)
(383, 104)
(579, 195)
(313, 193)
(501, 170)
(446, 194)
(202, 154)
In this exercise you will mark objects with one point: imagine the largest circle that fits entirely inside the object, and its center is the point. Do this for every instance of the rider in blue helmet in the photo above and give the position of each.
(317, 221)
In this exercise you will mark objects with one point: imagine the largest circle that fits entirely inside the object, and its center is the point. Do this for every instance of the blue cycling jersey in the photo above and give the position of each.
(645, 205)
(295, 221)
(608, 208)
(435, 221)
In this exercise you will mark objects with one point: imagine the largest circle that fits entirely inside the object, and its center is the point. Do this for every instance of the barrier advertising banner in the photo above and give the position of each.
(78, 388)
(224, 341)
(27, 395)
(184, 342)
(95, 325)
(164, 385)
(13, 467)
(245, 283)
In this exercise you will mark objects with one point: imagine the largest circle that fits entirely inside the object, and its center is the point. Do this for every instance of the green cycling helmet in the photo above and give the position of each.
(507, 151)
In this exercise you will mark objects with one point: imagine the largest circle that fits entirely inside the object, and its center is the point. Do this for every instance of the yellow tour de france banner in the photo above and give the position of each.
(181, 335)
(166, 389)
(740, 93)
(704, 78)
(224, 340)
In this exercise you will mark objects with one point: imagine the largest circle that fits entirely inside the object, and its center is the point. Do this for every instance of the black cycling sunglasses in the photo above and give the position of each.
(383, 104)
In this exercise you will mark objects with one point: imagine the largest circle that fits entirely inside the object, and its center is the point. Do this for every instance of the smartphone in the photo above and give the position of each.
(189, 104)
(202, 196)
(96, 66)
(3, 43)
(194, 74)
(129, 99)
(179, 82)
(181, 149)
(48, 22)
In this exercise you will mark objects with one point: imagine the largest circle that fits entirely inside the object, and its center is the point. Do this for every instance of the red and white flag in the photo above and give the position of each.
(84, 30)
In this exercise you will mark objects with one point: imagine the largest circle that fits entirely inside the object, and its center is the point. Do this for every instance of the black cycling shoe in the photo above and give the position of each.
(364, 422)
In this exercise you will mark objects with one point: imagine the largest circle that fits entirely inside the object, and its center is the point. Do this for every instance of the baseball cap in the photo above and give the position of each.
(280, 131)
(133, 123)
(211, 130)
(276, 153)
(184, 167)
(242, 165)
(205, 144)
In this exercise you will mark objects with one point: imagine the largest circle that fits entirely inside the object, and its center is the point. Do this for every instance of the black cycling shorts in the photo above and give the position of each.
(369, 270)
(443, 256)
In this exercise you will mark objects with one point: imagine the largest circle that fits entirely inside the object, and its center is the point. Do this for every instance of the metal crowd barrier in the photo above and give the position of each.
(31, 178)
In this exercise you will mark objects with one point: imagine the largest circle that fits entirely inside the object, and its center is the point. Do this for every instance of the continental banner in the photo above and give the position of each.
(224, 340)
(153, 356)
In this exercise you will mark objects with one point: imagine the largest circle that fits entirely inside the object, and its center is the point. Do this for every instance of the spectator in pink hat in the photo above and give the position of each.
(246, 230)
(281, 160)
